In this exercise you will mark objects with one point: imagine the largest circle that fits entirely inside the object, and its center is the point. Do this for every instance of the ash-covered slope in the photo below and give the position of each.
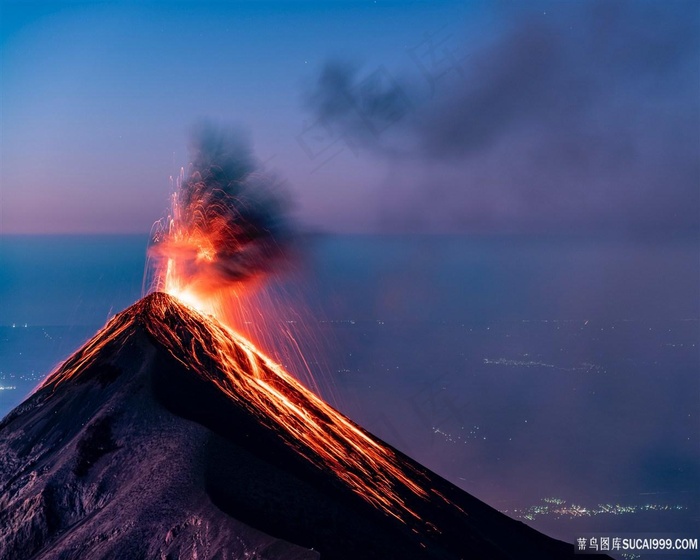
(167, 436)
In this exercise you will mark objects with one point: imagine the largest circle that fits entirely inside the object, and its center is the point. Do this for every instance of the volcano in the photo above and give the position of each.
(169, 436)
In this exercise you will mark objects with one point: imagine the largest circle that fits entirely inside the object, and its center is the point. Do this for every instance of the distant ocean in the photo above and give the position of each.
(556, 379)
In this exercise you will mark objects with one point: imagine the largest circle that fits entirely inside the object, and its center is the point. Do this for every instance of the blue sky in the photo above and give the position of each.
(98, 99)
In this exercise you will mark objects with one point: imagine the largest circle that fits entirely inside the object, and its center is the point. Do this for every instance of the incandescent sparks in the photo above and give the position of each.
(227, 226)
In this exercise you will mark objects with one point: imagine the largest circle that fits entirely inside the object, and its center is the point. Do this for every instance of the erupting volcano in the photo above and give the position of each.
(170, 435)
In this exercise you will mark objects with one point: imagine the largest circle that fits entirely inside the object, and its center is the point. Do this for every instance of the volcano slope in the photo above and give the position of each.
(168, 436)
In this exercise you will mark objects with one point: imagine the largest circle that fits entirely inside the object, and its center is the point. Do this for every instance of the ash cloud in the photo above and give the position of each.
(356, 106)
(230, 221)
(577, 117)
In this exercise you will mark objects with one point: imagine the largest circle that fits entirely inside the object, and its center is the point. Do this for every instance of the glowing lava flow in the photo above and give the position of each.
(274, 396)
(305, 422)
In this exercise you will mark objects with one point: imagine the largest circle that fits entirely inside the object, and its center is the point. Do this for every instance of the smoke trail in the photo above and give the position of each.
(229, 220)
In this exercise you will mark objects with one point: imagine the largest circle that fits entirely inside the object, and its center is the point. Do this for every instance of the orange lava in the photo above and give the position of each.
(307, 424)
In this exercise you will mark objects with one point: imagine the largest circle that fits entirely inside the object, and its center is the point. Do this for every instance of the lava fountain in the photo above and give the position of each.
(227, 229)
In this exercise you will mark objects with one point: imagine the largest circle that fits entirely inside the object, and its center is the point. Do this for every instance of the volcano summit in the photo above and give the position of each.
(169, 436)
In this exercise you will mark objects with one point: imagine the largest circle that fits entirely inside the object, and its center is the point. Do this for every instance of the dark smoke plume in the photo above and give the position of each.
(229, 221)
(572, 117)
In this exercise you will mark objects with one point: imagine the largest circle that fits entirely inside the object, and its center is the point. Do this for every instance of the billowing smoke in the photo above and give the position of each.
(229, 218)
(570, 117)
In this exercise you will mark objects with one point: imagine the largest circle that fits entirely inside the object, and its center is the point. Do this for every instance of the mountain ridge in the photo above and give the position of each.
(139, 446)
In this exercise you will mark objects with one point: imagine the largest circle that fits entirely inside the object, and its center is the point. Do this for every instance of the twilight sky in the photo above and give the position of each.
(500, 117)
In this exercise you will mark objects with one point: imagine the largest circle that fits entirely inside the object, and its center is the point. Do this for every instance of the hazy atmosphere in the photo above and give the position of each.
(476, 223)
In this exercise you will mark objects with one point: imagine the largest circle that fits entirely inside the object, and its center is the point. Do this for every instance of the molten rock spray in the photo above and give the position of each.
(227, 228)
